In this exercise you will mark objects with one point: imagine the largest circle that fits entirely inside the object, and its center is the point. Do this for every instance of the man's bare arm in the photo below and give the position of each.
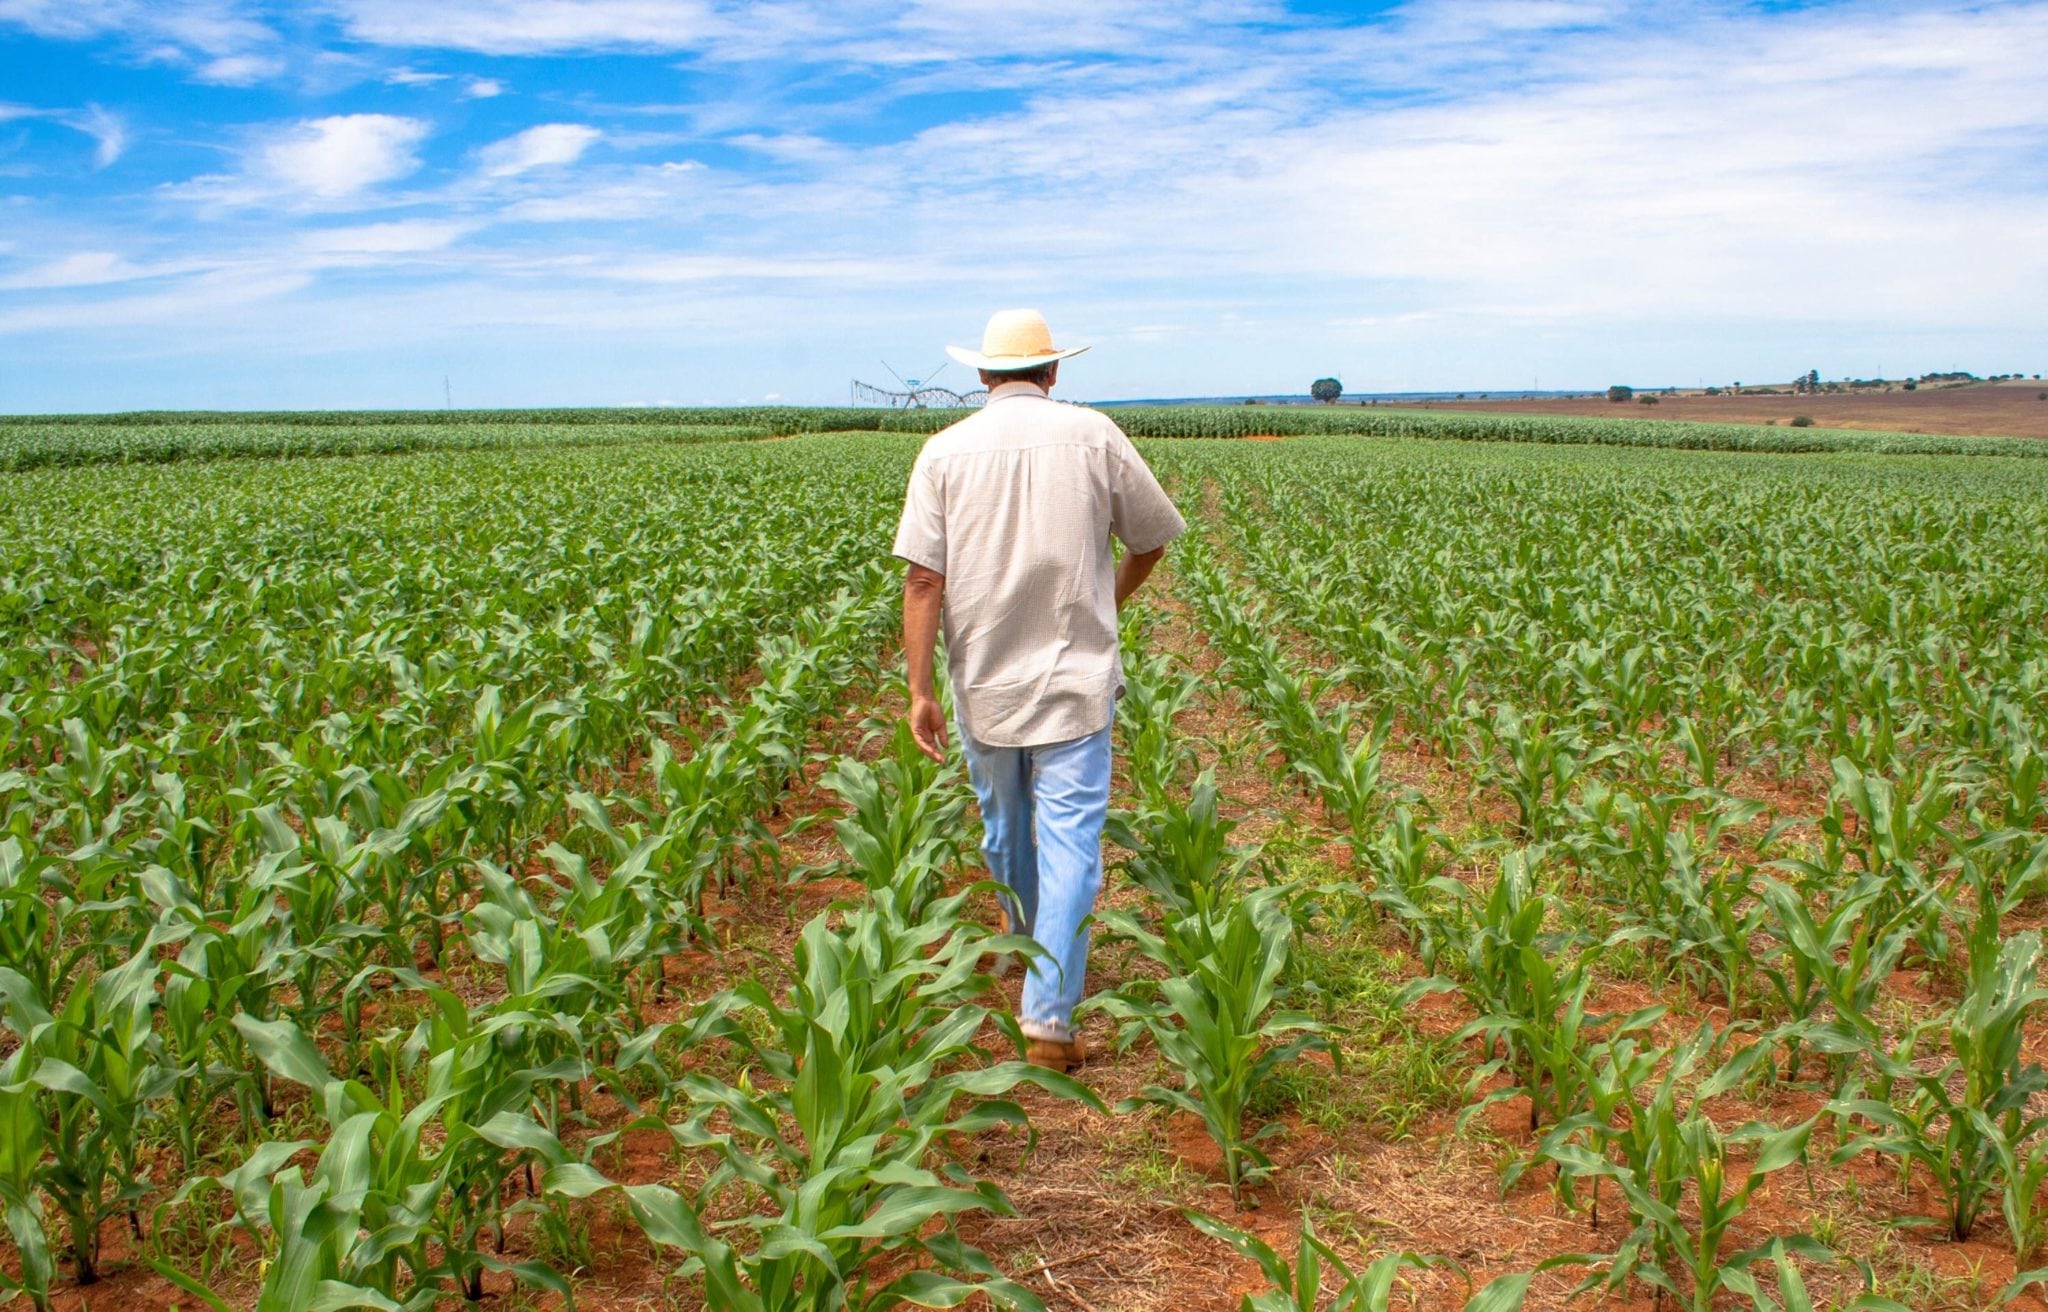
(923, 590)
(1132, 573)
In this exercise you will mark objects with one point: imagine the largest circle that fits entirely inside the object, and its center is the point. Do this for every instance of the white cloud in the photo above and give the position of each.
(482, 88)
(409, 77)
(107, 130)
(663, 270)
(401, 237)
(218, 300)
(640, 193)
(537, 147)
(240, 70)
(341, 155)
(223, 38)
(83, 269)
(531, 26)
(334, 161)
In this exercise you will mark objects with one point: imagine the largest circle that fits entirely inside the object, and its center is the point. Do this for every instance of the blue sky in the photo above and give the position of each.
(343, 203)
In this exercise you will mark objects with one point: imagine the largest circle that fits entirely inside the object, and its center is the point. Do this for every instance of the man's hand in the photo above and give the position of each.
(928, 727)
(923, 593)
(1132, 573)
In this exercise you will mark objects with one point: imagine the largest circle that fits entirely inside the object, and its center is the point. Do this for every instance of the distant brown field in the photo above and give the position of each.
(1976, 409)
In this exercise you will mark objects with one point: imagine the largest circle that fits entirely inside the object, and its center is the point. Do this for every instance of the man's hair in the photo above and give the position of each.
(1042, 375)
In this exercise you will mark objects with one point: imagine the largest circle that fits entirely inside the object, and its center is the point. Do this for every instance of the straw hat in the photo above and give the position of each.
(1014, 340)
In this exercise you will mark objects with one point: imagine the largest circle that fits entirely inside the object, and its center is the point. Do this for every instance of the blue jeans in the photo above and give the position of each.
(1042, 810)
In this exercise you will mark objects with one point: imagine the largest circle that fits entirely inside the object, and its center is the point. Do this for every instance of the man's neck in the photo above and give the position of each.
(1002, 391)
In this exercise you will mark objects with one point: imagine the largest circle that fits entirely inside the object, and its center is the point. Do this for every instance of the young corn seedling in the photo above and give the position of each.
(97, 1067)
(1409, 881)
(1156, 691)
(1967, 1122)
(405, 1186)
(1297, 1284)
(23, 1143)
(1500, 940)
(1609, 1073)
(1182, 854)
(1661, 1153)
(1546, 1037)
(904, 821)
(1543, 762)
(1346, 774)
(1213, 1020)
(1839, 957)
(1791, 1294)
(860, 1073)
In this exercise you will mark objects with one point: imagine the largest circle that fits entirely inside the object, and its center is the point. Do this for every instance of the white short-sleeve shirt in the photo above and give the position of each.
(1016, 505)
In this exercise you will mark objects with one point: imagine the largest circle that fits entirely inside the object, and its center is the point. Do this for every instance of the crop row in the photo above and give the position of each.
(38, 441)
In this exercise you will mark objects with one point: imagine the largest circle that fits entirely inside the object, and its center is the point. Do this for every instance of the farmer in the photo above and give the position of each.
(1008, 523)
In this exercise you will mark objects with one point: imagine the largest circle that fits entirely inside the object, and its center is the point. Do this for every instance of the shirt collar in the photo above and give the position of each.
(1002, 391)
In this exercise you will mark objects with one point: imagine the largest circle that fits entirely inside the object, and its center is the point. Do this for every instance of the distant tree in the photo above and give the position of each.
(1802, 421)
(1911, 385)
(1648, 398)
(1619, 393)
(1326, 390)
(1713, 391)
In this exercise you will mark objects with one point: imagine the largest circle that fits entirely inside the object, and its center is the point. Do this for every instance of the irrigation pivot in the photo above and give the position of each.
(916, 393)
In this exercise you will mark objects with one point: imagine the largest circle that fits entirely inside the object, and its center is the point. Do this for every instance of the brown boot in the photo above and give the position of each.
(1002, 963)
(1053, 1055)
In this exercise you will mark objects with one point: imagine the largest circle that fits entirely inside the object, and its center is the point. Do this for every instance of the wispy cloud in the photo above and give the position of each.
(82, 269)
(549, 144)
(224, 40)
(109, 133)
(400, 237)
(240, 70)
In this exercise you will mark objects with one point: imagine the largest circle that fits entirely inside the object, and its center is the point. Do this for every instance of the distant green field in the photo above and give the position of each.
(30, 442)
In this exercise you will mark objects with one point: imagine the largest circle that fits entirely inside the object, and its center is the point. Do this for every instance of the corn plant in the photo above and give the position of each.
(1967, 1121)
(23, 1141)
(1213, 1021)
(1504, 954)
(1547, 1036)
(1543, 761)
(1609, 1073)
(1297, 1285)
(1840, 957)
(1181, 853)
(904, 822)
(1345, 769)
(861, 1071)
(1410, 882)
(1790, 1294)
(1681, 1257)
(1156, 692)
(405, 1187)
(97, 1066)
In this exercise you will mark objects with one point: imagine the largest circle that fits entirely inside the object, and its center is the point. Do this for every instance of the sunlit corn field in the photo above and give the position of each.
(485, 865)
